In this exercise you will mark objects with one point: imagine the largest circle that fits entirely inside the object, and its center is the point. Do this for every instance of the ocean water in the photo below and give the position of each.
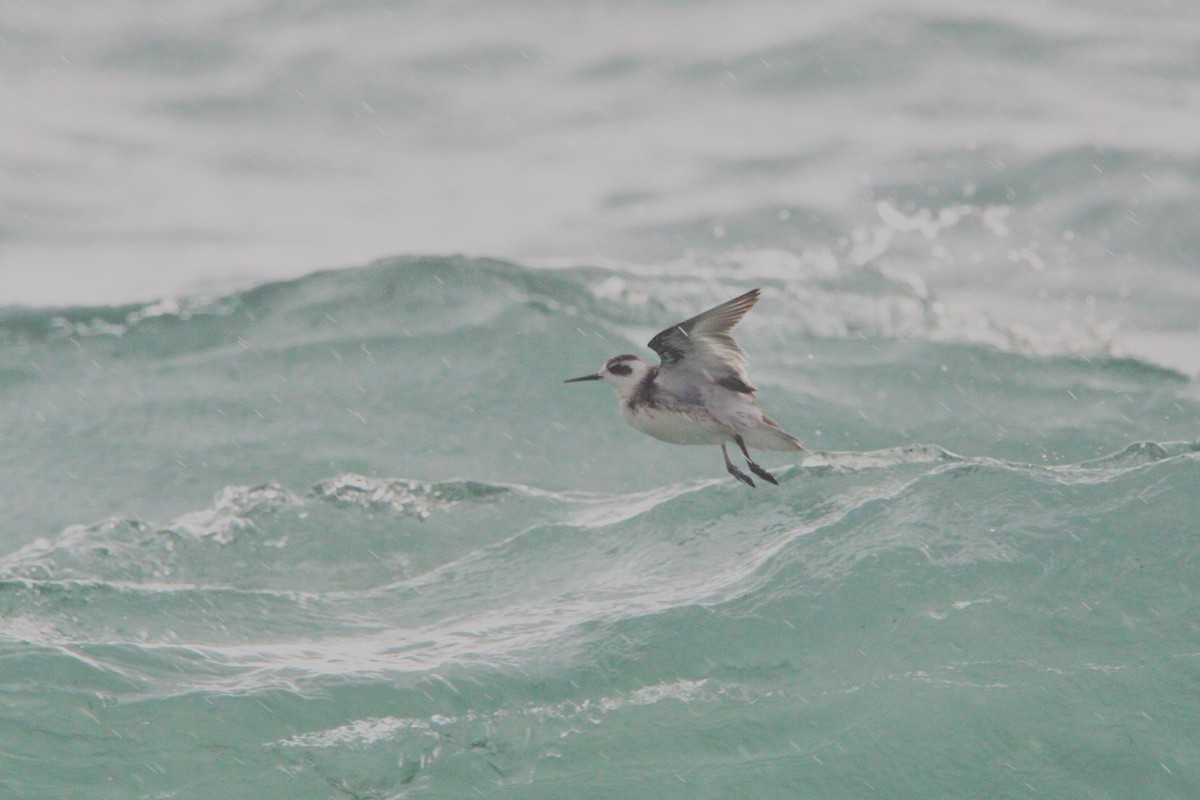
(294, 504)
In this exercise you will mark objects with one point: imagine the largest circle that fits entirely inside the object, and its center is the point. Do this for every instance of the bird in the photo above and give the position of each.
(700, 393)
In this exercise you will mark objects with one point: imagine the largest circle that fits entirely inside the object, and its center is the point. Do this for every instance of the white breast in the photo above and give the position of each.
(690, 426)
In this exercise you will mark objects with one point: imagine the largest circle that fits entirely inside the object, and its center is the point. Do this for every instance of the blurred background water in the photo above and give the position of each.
(270, 532)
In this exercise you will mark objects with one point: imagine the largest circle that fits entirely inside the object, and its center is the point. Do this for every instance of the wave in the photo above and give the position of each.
(492, 575)
(816, 294)
(543, 728)
(587, 618)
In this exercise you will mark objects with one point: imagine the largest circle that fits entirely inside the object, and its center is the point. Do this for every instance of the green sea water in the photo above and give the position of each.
(350, 536)
(272, 532)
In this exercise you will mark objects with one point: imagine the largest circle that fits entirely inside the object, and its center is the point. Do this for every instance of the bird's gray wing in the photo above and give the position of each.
(701, 348)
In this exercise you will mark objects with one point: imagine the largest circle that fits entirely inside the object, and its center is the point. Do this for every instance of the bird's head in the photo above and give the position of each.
(623, 373)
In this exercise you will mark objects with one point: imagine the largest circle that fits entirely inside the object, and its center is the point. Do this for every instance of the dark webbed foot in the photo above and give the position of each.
(741, 476)
(762, 473)
(737, 473)
(755, 468)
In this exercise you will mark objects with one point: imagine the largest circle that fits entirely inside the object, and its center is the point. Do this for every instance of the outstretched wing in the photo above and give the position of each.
(702, 346)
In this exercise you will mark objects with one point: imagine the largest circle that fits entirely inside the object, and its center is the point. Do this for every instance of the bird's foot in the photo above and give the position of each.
(741, 476)
(762, 473)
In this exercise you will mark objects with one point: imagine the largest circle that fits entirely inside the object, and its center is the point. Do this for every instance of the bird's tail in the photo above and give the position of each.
(769, 436)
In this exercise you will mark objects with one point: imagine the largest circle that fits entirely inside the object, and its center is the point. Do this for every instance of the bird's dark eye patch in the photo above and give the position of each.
(620, 369)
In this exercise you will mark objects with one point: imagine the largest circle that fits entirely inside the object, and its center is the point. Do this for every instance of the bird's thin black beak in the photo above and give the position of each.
(595, 377)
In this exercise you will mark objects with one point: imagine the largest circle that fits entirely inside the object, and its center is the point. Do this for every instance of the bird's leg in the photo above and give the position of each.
(734, 471)
(755, 468)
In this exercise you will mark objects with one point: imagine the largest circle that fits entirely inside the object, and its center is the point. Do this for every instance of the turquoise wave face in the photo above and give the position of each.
(351, 534)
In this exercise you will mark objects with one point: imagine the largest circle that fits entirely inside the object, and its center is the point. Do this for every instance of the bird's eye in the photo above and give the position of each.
(620, 369)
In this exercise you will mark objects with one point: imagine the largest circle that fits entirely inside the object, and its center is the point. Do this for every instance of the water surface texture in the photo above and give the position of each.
(271, 532)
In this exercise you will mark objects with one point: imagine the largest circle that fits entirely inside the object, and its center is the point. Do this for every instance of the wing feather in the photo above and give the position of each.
(703, 345)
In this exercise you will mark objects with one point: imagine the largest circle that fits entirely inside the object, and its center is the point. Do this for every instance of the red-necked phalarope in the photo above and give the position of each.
(700, 393)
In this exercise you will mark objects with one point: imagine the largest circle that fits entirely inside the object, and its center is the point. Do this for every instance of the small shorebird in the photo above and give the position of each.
(700, 393)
